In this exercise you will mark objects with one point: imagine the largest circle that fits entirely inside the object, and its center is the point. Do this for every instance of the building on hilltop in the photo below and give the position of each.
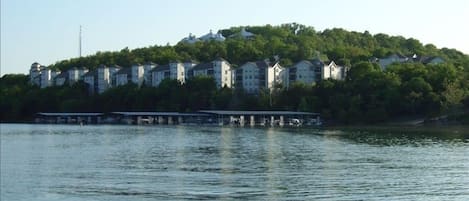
(191, 39)
(243, 34)
(254, 76)
(219, 69)
(211, 36)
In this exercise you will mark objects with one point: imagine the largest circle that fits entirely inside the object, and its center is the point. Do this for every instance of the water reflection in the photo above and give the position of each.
(173, 162)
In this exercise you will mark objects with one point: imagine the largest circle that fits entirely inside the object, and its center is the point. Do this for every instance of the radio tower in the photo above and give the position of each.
(79, 43)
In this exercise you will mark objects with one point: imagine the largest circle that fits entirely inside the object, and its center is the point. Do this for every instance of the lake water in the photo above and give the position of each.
(68, 162)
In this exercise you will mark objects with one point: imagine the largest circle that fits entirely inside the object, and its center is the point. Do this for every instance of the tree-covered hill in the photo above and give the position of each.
(291, 42)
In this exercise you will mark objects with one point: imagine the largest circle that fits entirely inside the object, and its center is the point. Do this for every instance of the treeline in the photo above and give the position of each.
(368, 95)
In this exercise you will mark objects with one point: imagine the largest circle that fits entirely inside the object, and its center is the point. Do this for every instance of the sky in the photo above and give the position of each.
(47, 31)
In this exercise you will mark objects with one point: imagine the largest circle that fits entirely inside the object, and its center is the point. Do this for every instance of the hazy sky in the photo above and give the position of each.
(46, 31)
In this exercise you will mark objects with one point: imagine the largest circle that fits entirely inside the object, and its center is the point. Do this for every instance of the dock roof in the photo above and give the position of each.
(158, 114)
(261, 112)
(69, 114)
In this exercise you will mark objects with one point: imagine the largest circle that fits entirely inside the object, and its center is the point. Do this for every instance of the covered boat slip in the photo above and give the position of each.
(69, 118)
(202, 117)
(264, 118)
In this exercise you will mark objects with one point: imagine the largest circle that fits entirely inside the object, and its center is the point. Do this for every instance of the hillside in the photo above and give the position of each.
(291, 42)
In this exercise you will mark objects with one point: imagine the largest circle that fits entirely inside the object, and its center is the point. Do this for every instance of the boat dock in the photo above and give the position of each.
(202, 117)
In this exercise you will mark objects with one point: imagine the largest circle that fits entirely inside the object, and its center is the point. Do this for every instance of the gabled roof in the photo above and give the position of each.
(221, 59)
(203, 66)
(149, 63)
(116, 66)
(123, 71)
(160, 68)
(62, 75)
(212, 36)
(90, 74)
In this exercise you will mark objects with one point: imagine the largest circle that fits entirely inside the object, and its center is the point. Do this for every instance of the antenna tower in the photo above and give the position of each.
(79, 43)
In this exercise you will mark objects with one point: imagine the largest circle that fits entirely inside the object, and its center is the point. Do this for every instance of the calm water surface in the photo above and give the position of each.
(68, 162)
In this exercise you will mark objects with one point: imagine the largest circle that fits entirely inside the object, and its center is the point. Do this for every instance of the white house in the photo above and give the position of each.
(334, 71)
(47, 77)
(34, 74)
(254, 76)
(219, 69)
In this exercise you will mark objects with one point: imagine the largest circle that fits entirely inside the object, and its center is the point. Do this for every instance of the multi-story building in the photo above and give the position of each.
(173, 70)
(90, 78)
(103, 78)
(76, 74)
(147, 67)
(311, 71)
(136, 73)
(47, 77)
(159, 73)
(123, 77)
(254, 76)
(219, 69)
(35, 74)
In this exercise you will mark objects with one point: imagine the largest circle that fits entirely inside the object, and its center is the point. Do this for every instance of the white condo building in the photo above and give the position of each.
(35, 74)
(47, 77)
(173, 70)
(254, 76)
(219, 69)
(311, 71)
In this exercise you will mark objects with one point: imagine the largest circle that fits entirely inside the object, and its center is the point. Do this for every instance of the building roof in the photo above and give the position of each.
(161, 68)
(191, 39)
(123, 71)
(90, 74)
(212, 36)
(203, 66)
(62, 75)
(69, 114)
(243, 33)
(149, 63)
(240, 112)
(115, 66)
(157, 114)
